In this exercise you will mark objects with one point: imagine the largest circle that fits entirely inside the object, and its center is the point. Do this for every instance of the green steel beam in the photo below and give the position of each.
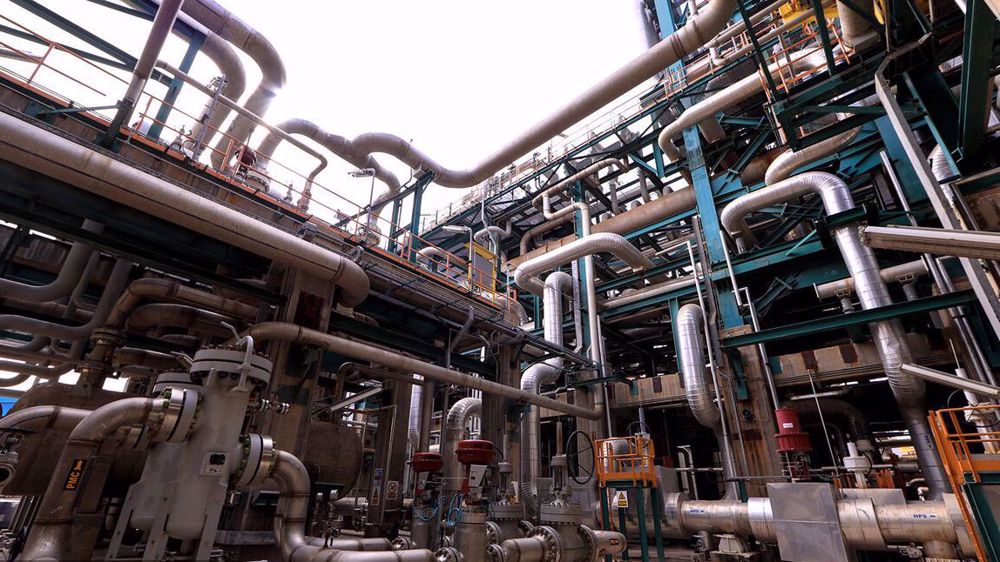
(842, 321)
(974, 103)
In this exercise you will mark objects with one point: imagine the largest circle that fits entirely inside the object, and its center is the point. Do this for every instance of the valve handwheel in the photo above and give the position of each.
(577, 452)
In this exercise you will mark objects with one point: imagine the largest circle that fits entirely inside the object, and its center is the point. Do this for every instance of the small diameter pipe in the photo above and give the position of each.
(290, 521)
(293, 333)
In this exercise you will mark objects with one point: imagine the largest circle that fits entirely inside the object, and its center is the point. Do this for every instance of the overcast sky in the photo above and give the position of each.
(459, 77)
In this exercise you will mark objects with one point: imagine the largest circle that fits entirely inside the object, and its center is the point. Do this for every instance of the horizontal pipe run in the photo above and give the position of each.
(63, 159)
(903, 273)
(304, 336)
(942, 241)
(526, 274)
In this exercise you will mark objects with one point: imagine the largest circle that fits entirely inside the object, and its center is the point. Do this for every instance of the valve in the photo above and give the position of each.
(475, 455)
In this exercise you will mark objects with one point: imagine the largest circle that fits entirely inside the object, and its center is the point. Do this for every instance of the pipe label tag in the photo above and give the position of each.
(74, 475)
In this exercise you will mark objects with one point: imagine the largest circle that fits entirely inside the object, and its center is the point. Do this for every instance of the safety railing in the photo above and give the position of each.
(968, 440)
(625, 459)
(95, 91)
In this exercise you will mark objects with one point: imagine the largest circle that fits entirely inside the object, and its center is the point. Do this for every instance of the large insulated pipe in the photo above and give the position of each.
(68, 277)
(228, 62)
(38, 149)
(334, 143)
(290, 522)
(585, 173)
(729, 96)
(865, 525)
(534, 377)
(293, 333)
(790, 160)
(526, 274)
(904, 272)
(164, 315)
(51, 530)
(413, 419)
(888, 335)
(690, 326)
(37, 418)
(247, 39)
(688, 39)
(459, 416)
(624, 223)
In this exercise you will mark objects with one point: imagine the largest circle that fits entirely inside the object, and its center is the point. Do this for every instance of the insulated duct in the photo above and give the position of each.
(696, 33)
(55, 156)
(690, 325)
(902, 272)
(532, 380)
(888, 335)
(786, 164)
(459, 416)
(247, 39)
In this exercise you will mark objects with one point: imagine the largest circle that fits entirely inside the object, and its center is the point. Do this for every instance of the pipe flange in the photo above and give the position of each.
(589, 540)
(552, 546)
(492, 532)
(402, 543)
(256, 462)
(448, 554)
(173, 421)
(525, 526)
(494, 553)
(230, 362)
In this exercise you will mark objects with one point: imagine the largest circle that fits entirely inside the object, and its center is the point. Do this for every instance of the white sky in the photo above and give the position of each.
(459, 77)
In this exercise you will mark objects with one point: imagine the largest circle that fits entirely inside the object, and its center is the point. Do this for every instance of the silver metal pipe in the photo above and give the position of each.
(65, 160)
(51, 531)
(953, 381)
(788, 161)
(739, 91)
(37, 418)
(247, 39)
(336, 144)
(903, 273)
(413, 426)
(565, 183)
(649, 292)
(69, 274)
(290, 520)
(459, 416)
(534, 377)
(698, 31)
(526, 274)
(888, 335)
(976, 244)
(293, 333)
(689, 326)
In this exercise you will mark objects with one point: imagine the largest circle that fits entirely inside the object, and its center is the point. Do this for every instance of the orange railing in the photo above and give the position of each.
(966, 454)
(625, 459)
(70, 80)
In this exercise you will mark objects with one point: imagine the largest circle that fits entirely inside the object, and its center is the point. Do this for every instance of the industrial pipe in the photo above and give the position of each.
(69, 274)
(526, 274)
(51, 530)
(459, 416)
(37, 418)
(888, 335)
(334, 143)
(163, 315)
(565, 183)
(247, 39)
(293, 333)
(790, 160)
(698, 31)
(690, 326)
(290, 521)
(976, 244)
(532, 380)
(903, 273)
(657, 210)
(53, 155)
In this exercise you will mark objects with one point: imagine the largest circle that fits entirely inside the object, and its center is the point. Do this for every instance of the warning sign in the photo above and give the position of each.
(620, 500)
(76, 467)
(391, 490)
